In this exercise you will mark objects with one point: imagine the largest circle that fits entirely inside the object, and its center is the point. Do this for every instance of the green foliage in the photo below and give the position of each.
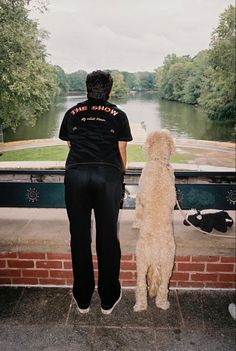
(129, 80)
(119, 88)
(123, 81)
(62, 82)
(207, 79)
(218, 95)
(144, 81)
(77, 80)
(27, 83)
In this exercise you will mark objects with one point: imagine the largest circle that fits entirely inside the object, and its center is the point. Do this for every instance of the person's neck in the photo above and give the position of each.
(97, 101)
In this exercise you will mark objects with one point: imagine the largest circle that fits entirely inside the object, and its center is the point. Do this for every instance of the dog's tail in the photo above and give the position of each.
(153, 280)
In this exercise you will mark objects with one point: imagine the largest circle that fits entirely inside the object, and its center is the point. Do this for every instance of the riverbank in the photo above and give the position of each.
(195, 152)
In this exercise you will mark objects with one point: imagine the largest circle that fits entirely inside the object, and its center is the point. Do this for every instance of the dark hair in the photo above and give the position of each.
(99, 84)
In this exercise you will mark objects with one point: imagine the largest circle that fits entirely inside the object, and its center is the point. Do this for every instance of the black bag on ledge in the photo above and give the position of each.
(207, 222)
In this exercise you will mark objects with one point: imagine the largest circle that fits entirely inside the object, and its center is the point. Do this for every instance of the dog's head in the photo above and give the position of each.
(159, 145)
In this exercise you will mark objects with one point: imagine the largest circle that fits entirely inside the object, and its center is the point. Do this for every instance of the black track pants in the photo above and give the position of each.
(99, 188)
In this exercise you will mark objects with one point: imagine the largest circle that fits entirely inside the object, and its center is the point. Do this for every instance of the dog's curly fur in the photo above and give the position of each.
(155, 201)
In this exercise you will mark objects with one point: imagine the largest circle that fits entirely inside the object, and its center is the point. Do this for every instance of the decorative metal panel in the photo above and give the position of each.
(51, 195)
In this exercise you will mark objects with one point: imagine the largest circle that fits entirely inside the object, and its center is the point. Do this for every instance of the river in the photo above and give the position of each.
(184, 121)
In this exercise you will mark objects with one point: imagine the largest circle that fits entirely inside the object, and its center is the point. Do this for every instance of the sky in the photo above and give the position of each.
(128, 35)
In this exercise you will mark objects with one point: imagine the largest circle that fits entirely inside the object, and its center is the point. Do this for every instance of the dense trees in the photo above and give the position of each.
(123, 81)
(76, 80)
(208, 79)
(180, 78)
(62, 81)
(218, 90)
(27, 82)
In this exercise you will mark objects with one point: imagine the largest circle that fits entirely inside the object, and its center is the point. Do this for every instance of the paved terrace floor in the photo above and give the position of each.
(47, 319)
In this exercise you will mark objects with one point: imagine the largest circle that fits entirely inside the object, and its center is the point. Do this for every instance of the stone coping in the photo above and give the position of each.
(60, 165)
(47, 230)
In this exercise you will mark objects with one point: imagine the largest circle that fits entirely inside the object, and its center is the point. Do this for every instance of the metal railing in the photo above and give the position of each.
(45, 189)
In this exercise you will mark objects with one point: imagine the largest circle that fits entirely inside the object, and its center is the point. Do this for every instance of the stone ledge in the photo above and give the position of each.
(60, 165)
(47, 230)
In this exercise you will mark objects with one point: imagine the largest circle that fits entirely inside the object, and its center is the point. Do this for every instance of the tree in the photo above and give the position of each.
(218, 90)
(27, 82)
(119, 88)
(172, 76)
(146, 80)
(77, 80)
(62, 82)
(129, 80)
(193, 84)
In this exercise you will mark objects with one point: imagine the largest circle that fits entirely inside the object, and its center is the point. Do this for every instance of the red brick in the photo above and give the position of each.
(39, 273)
(95, 264)
(32, 255)
(95, 259)
(126, 275)
(67, 265)
(58, 256)
(2, 263)
(128, 266)
(69, 281)
(127, 258)
(173, 284)
(219, 285)
(190, 284)
(61, 274)
(10, 272)
(96, 274)
(175, 267)
(5, 281)
(180, 276)
(129, 283)
(49, 264)
(20, 264)
(227, 277)
(219, 267)
(182, 258)
(51, 281)
(228, 259)
(191, 267)
(203, 277)
(8, 255)
(25, 281)
(205, 258)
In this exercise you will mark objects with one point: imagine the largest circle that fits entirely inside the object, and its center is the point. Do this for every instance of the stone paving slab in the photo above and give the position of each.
(47, 319)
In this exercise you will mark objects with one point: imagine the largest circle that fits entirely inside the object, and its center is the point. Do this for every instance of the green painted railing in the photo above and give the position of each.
(45, 189)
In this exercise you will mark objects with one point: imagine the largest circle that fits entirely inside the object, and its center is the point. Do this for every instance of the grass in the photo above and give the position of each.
(59, 153)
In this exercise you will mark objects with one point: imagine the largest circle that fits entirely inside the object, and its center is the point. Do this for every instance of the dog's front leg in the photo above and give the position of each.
(138, 213)
(141, 289)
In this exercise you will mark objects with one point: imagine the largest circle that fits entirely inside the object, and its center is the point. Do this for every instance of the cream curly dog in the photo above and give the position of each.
(155, 201)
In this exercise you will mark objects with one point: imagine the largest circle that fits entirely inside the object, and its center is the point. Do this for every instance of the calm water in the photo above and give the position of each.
(182, 120)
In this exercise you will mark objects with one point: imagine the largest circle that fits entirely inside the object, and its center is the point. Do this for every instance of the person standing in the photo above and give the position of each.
(97, 133)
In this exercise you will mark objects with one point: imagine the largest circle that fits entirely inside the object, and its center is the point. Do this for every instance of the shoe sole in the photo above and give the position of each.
(106, 312)
(81, 310)
(232, 310)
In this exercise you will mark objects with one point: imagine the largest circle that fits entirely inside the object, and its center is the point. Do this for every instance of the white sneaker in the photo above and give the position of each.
(108, 311)
(232, 310)
(81, 310)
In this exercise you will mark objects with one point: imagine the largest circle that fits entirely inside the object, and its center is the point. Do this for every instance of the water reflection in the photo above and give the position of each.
(182, 120)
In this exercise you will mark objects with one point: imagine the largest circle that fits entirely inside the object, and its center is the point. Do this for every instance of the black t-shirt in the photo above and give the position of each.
(93, 128)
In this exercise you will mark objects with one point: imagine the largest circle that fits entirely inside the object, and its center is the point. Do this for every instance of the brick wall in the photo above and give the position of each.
(54, 269)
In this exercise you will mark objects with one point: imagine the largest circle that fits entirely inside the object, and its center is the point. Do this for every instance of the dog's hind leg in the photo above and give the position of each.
(141, 289)
(162, 295)
(153, 280)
